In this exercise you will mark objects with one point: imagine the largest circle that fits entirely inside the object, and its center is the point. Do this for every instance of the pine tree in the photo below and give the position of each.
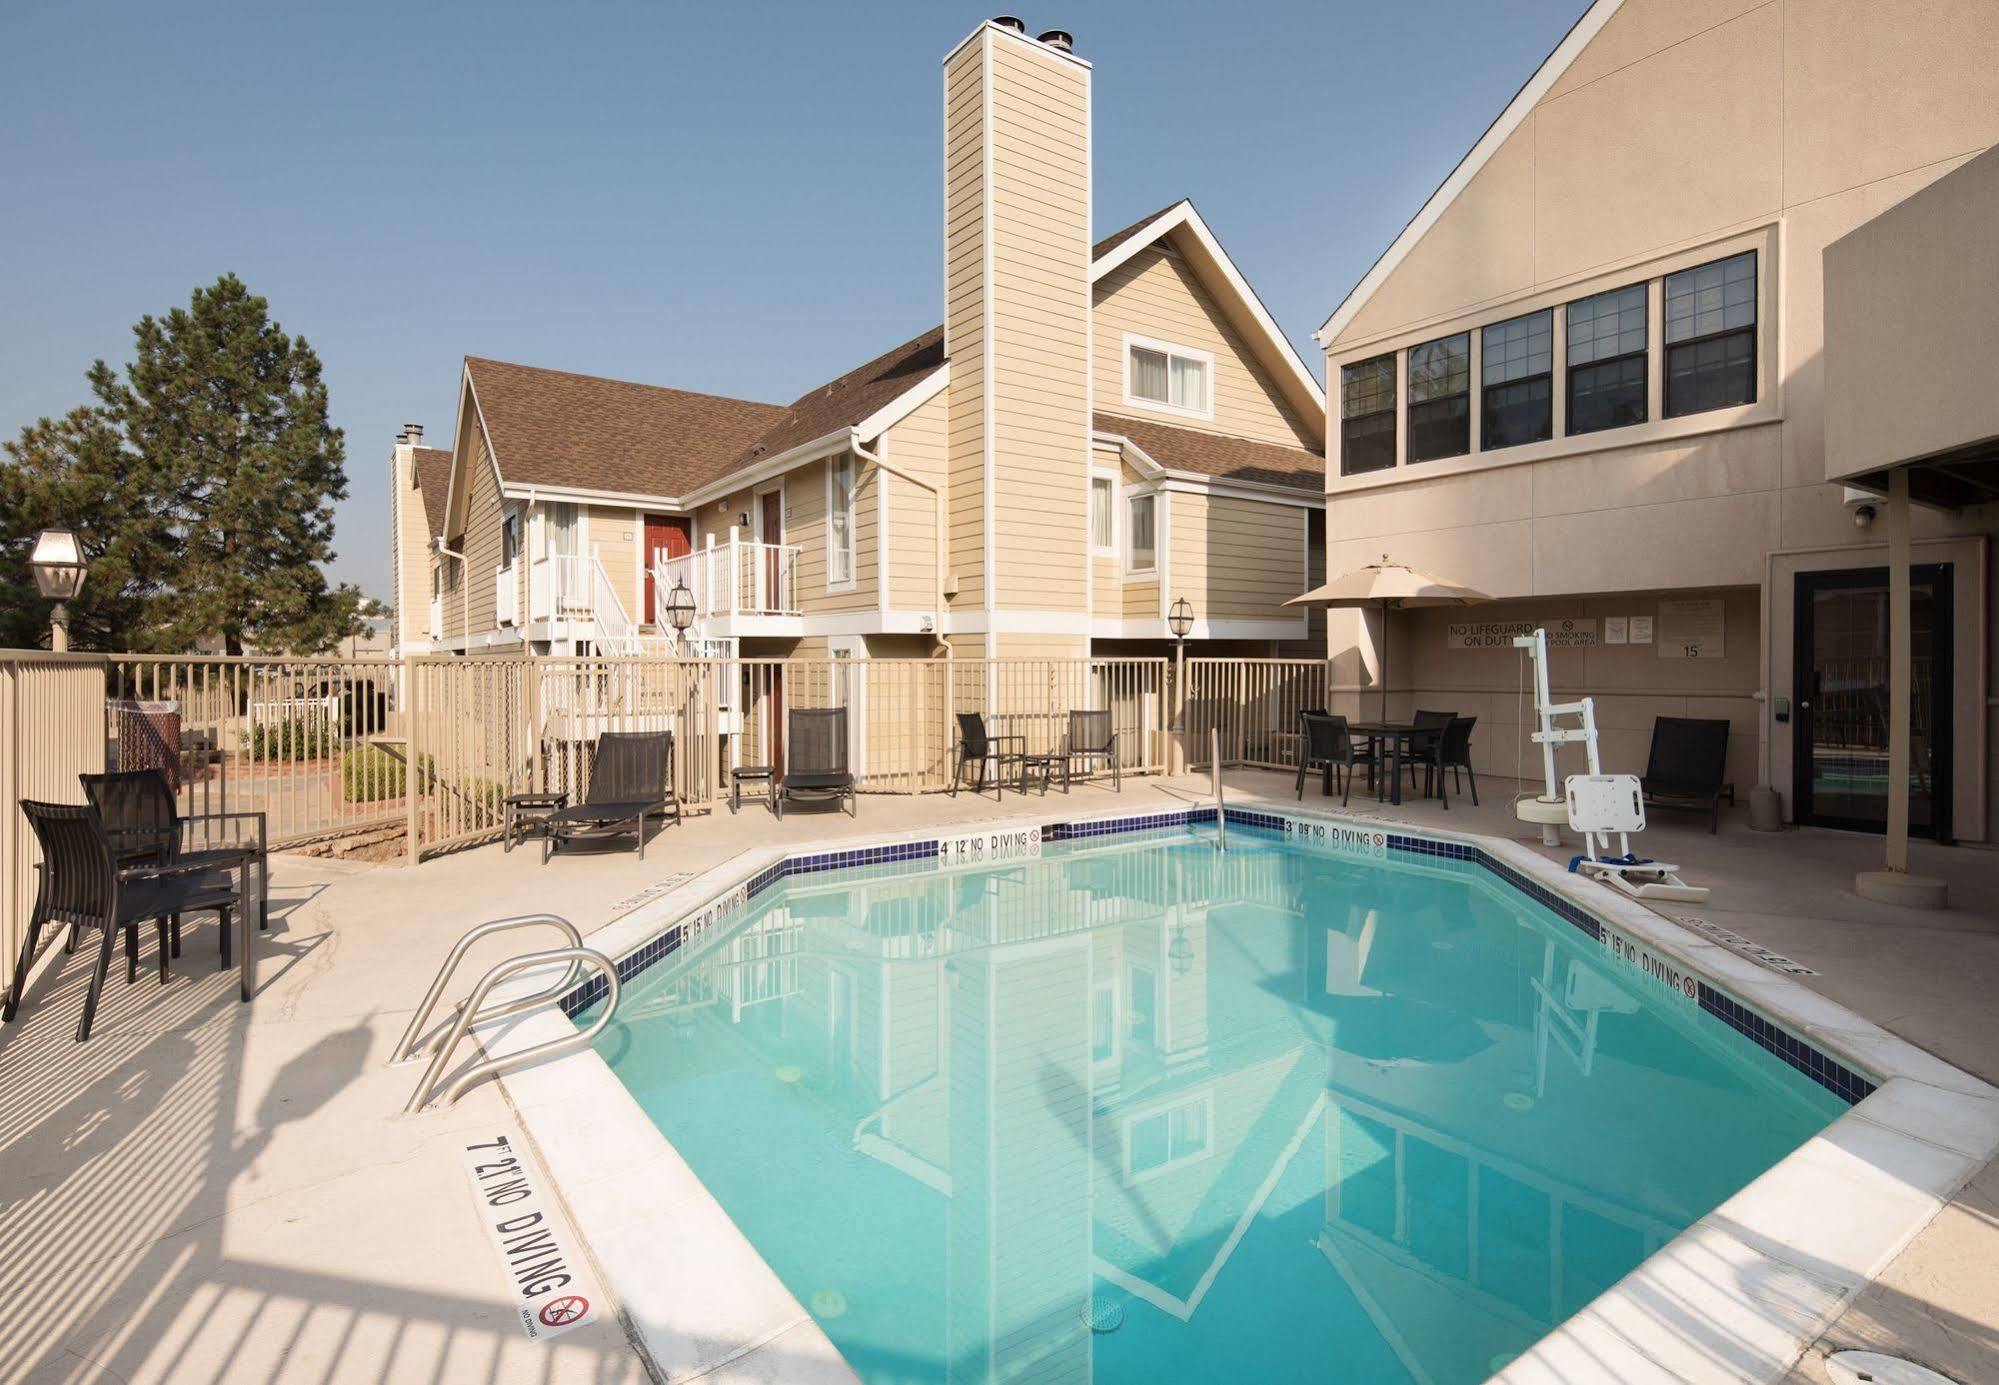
(208, 470)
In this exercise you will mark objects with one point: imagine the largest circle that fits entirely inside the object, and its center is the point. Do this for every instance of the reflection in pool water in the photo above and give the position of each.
(1247, 1099)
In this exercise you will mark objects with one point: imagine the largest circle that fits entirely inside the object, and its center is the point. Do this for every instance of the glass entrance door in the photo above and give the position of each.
(1840, 762)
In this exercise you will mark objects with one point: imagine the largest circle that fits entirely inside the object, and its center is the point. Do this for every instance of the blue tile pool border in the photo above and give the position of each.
(1828, 1072)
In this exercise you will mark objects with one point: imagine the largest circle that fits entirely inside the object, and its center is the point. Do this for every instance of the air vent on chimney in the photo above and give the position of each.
(1007, 21)
(1060, 39)
(412, 434)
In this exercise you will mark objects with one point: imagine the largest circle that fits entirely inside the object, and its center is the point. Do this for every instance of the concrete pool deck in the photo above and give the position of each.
(214, 1191)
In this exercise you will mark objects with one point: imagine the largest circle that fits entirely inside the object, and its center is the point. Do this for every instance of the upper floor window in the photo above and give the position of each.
(1367, 415)
(510, 538)
(1440, 398)
(1142, 543)
(1517, 376)
(840, 519)
(1711, 336)
(1167, 377)
(1103, 531)
(1607, 360)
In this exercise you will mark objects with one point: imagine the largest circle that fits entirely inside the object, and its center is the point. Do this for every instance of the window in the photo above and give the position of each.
(1367, 416)
(563, 538)
(1167, 377)
(1103, 1024)
(1103, 531)
(1607, 360)
(1173, 1135)
(1711, 336)
(1517, 377)
(510, 538)
(1440, 398)
(1142, 544)
(840, 519)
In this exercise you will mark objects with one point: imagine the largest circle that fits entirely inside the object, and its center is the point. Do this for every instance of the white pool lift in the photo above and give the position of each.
(1597, 805)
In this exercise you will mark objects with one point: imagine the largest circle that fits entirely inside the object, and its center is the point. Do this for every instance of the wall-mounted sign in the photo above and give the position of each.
(1498, 634)
(1641, 629)
(1616, 630)
(1692, 628)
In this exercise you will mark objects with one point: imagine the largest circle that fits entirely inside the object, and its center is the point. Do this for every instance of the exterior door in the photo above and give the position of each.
(771, 531)
(1840, 759)
(667, 536)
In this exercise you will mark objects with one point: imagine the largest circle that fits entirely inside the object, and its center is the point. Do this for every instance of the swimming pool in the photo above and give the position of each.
(1329, 1105)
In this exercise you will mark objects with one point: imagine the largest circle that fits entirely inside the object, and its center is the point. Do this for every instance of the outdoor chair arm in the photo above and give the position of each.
(249, 841)
(168, 871)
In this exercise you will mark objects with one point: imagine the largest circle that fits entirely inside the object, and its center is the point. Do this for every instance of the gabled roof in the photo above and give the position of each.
(1222, 457)
(1496, 134)
(846, 401)
(433, 478)
(584, 432)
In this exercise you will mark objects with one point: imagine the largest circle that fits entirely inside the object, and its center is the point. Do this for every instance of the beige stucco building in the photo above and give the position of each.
(1591, 379)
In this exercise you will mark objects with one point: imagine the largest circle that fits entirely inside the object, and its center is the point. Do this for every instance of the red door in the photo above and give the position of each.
(668, 536)
(773, 533)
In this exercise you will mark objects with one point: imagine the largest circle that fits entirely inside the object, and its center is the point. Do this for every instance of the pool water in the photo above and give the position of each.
(1274, 1114)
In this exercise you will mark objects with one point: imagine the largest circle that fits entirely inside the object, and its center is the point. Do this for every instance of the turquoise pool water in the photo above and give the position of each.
(1278, 1114)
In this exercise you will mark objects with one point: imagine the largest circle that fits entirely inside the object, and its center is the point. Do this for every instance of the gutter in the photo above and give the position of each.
(937, 510)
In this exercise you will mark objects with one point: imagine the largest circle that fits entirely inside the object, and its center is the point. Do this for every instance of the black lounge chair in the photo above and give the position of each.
(82, 887)
(1449, 749)
(631, 779)
(1092, 738)
(1329, 746)
(976, 747)
(1688, 767)
(815, 755)
(145, 826)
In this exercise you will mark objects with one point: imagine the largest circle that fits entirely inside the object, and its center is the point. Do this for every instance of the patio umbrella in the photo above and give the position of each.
(1391, 587)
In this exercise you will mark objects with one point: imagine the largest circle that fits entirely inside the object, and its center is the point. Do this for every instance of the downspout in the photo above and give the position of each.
(937, 510)
(464, 589)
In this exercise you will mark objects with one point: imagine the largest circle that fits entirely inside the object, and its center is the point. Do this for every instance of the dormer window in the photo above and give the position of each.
(1176, 379)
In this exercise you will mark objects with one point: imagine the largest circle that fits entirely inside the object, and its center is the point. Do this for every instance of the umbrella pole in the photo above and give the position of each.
(1384, 661)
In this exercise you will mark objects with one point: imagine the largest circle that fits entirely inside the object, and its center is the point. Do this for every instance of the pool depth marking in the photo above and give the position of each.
(551, 1291)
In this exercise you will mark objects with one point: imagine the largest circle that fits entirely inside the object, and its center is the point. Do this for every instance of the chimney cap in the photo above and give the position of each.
(1058, 38)
(1013, 22)
(412, 434)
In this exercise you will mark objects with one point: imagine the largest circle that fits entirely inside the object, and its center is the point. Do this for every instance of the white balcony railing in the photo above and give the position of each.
(735, 579)
(437, 617)
(562, 586)
(506, 595)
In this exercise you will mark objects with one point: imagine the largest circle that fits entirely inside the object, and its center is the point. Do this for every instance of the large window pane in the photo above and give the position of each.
(1190, 383)
(1440, 398)
(1100, 512)
(1517, 374)
(1606, 359)
(1711, 336)
(1367, 415)
(1144, 547)
(1148, 374)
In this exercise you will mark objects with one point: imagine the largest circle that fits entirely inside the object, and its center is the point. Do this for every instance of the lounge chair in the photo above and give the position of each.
(1449, 749)
(1329, 746)
(82, 886)
(1688, 767)
(145, 825)
(815, 754)
(1092, 739)
(631, 779)
(976, 747)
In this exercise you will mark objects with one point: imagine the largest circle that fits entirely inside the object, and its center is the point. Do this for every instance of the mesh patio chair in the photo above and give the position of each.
(145, 825)
(1423, 747)
(1330, 747)
(81, 886)
(1092, 739)
(976, 747)
(631, 779)
(816, 765)
(1449, 749)
(1688, 767)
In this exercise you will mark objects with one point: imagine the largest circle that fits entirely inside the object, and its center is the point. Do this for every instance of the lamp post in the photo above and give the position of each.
(58, 565)
(680, 608)
(1180, 620)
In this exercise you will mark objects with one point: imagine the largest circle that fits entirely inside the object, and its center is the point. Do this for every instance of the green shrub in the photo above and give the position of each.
(369, 774)
(292, 738)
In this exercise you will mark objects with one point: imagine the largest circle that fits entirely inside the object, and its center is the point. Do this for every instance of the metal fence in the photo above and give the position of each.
(1253, 705)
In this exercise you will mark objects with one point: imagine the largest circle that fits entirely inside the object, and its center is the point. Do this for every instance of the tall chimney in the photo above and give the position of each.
(1017, 326)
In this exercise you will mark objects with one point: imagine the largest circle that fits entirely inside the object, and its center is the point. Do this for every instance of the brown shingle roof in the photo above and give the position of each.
(433, 478)
(552, 428)
(1225, 458)
(1117, 238)
(844, 402)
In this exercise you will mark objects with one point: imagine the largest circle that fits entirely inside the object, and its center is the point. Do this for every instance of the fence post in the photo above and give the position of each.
(412, 775)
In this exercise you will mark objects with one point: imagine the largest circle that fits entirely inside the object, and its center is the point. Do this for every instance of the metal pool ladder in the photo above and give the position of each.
(1221, 809)
(472, 1010)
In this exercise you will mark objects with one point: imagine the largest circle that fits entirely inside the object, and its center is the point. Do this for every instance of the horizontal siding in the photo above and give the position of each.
(965, 316)
(1237, 559)
(918, 445)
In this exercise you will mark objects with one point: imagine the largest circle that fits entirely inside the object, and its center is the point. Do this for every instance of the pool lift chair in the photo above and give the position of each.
(1597, 805)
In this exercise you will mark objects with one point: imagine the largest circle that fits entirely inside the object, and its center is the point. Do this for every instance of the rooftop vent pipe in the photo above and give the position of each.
(412, 434)
(1007, 21)
(1059, 39)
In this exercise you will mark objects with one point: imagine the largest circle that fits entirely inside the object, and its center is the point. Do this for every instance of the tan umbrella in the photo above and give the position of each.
(1389, 587)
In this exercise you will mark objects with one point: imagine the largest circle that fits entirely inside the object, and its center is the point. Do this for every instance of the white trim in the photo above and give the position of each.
(1228, 628)
(988, 478)
(904, 404)
(1022, 39)
(609, 500)
(882, 478)
(1172, 478)
(1489, 143)
(851, 582)
(789, 460)
(1169, 350)
(1131, 499)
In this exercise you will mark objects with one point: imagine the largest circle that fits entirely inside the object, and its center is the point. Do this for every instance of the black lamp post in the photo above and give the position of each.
(680, 608)
(1180, 620)
(58, 565)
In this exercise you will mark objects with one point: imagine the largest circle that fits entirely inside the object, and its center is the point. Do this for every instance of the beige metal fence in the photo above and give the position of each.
(51, 730)
(1254, 705)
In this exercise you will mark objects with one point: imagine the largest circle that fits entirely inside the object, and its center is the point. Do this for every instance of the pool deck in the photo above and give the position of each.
(210, 1191)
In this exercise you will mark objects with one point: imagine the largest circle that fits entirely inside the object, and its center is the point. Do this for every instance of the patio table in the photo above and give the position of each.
(1396, 734)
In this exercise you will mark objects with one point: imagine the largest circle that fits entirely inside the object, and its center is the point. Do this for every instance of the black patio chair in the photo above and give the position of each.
(1330, 747)
(1687, 768)
(631, 779)
(81, 886)
(1423, 745)
(1449, 749)
(145, 825)
(977, 747)
(815, 759)
(1092, 739)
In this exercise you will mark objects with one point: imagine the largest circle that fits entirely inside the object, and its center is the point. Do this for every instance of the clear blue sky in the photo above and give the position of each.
(737, 198)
